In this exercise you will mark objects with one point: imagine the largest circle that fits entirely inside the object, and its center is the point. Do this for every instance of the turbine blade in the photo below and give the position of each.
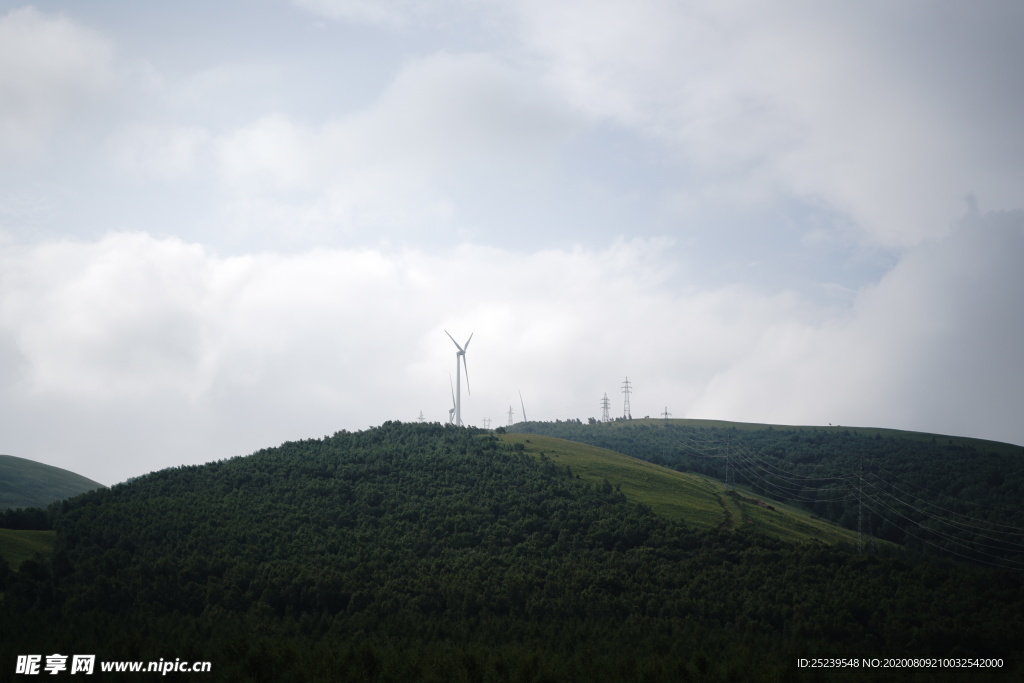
(467, 374)
(467, 342)
(451, 411)
(455, 342)
(522, 405)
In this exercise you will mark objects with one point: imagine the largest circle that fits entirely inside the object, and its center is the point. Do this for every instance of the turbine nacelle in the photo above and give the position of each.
(462, 349)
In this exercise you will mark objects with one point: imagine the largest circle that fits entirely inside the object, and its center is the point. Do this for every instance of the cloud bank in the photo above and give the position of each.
(50, 68)
(245, 351)
(258, 229)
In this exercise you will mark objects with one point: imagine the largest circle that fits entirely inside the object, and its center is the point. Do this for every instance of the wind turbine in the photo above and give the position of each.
(461, 353)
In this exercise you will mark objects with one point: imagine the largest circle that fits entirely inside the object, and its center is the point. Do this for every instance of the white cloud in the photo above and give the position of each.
(242, 352)
(49, 68)
(393, 14)
(163, 152)
(113, 319)
(406, 161)
(236, 353)
(874, 110)
(270, 154)
(363, 11)
(828, 134)
(933, 346)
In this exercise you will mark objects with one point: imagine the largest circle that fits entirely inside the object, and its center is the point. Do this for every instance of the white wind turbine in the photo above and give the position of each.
(461, 353)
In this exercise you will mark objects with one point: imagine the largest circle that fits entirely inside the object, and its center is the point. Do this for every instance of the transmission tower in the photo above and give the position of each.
(666, 414)
(487, 423)
(421, 418)
(510, 414)
(605, 407)
(625, 406)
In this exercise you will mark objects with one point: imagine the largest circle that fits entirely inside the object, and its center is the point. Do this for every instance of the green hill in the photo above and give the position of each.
(27, 483)
(696, 500)
(957, 497)
(416, 552)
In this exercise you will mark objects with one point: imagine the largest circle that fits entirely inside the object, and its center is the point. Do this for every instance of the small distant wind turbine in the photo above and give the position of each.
(461, 353)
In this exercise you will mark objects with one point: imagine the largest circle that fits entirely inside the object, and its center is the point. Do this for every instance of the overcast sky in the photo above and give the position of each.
(232, 223)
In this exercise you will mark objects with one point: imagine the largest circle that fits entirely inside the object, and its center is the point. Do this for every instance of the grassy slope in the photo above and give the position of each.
(18, 546)
(27, 483)
(699, 501)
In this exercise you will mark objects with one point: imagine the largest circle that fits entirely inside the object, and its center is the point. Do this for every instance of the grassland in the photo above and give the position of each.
(27, 483)
(18, 546)
(699, 501)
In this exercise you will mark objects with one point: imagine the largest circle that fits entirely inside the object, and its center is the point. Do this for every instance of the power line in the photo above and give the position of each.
(728, 460)
(988, 542)
(961, 528)
(1019, 531)
(946, 495)
(1006, 542)
(1017, 564)
(860, 506)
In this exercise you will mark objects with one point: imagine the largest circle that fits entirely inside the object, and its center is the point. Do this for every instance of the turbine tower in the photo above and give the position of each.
(461, 353)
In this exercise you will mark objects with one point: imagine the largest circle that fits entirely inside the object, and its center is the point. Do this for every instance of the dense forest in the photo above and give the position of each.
(960, 498)
(428, 552)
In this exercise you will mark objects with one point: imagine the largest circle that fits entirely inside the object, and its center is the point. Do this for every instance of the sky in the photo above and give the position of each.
(233, 223)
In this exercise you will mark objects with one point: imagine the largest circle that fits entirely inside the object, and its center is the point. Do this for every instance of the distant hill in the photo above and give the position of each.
(27, 483)
(959, 497)
(415, 552)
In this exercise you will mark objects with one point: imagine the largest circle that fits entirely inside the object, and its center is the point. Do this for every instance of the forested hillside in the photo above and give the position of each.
(424, 552)
(958, 497)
